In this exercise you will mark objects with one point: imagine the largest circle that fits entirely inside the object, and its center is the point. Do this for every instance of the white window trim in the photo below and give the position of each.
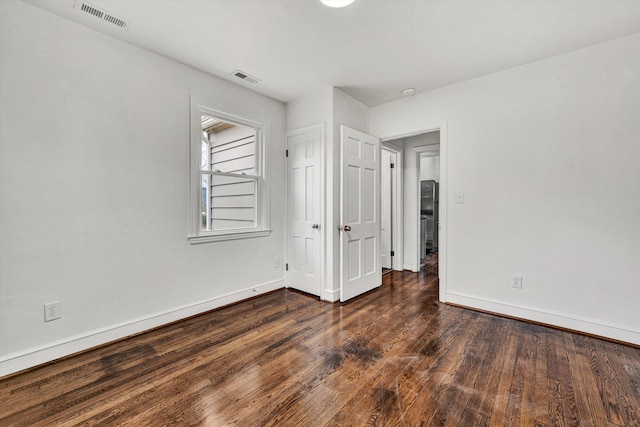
(263, 221)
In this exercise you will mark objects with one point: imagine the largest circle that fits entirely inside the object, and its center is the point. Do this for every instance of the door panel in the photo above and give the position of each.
(304, 212)
(360, 269)
(385, 209)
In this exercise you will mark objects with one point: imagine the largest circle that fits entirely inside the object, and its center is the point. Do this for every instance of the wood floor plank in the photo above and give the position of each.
(498, 402)
(394, 356)
(588, 399)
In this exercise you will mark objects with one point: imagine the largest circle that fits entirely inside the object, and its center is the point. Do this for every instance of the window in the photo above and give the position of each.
(228, 190)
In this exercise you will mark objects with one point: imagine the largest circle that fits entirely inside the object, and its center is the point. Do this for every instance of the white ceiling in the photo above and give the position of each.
(371, 50)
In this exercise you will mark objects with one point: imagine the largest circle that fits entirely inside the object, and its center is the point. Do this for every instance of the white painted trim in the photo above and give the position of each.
(323, 199)
(563, 320)
(34, 356)
(235, 235)
(332, 248)
(444, 178)
(331, 295)
(411, 131)
(442, 217)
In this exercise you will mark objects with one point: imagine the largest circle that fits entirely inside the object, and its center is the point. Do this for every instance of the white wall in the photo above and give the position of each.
(547, 155)
(94, 146)
(429, 168)
(312, 109)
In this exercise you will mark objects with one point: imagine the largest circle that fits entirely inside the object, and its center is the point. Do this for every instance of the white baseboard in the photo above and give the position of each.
(562, 320)
(412, 267)
(331, 295)
(28, 358)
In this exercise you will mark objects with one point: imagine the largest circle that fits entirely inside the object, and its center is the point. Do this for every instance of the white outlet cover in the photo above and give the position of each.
(459, 195)
(52, 311)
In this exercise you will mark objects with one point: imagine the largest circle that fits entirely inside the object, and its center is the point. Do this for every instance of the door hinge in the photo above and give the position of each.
(393, 253)
(286, 267)
(286, 153)
(393, 165)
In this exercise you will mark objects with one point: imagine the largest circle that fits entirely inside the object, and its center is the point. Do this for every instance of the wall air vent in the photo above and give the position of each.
(100, 14)
(244, 76)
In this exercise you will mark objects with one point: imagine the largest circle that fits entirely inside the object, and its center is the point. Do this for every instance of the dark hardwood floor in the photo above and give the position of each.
(393, 357)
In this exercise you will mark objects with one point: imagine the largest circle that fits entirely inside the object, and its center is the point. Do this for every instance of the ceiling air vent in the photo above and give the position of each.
(100, 14)
(246, 77)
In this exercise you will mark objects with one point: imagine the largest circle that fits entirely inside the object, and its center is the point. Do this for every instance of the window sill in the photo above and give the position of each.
(235, 235)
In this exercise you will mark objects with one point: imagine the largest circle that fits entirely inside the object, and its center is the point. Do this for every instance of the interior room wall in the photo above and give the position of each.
(312, 109)
(430, 168)
(547, 157)
(94, 149)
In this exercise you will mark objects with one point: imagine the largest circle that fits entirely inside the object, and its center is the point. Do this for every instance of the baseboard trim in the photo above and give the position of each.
(411, 267)
(29, 358)
(587, 326)
(331, 295)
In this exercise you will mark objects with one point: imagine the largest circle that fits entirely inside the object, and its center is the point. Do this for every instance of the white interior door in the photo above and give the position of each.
(360, 269)
(304, 210)
(385, 209)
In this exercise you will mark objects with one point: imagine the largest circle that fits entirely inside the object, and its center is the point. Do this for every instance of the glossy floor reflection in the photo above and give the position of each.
(394, 356)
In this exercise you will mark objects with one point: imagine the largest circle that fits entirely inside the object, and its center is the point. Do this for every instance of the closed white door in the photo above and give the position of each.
(304, 204)
(360, 269)
(385, 209)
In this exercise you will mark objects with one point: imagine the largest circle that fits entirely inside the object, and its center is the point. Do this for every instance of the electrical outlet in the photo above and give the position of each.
(52, 311)
(276, 262)
(516, 281)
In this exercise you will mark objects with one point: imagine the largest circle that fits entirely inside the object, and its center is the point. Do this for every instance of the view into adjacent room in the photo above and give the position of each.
(429, 210)
(410, 208)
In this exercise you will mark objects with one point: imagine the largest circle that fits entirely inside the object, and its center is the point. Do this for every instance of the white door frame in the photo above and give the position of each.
(442, 233)
(397, 209)
(323, 220)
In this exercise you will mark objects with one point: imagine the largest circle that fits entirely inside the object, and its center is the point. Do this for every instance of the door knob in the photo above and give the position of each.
(344, 228)
(315, 226)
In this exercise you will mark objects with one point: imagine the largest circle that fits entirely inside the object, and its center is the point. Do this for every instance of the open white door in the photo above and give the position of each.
(304, 210)
(359, 213)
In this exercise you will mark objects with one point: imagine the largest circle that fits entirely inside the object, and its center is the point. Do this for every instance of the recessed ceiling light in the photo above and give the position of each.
(409, 91)
(337, 3)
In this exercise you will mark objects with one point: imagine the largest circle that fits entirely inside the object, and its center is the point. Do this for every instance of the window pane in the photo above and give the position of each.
(233, 150)
(228, 202)
(205, 162)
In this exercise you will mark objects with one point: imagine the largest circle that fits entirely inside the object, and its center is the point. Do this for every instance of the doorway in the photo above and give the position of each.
(412, 143)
